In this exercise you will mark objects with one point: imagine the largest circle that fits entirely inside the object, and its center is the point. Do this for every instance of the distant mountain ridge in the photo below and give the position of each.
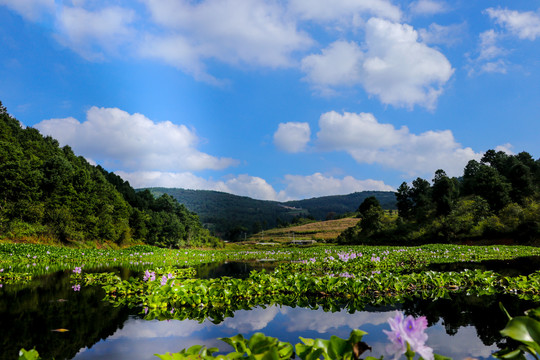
(230, 216)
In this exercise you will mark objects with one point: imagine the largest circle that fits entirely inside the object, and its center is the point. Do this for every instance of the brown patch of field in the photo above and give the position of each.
(322, 230)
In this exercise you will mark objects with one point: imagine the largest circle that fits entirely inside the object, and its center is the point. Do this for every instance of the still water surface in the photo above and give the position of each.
(462, 326)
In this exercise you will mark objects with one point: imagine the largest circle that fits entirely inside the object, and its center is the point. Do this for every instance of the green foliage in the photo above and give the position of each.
(260, 346)
(525, 330)
(496, 198)
(229, 216)
(48, 192)
(28, 355)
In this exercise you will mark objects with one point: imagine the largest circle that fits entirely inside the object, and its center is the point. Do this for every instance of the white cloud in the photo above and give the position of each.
(506, 148)
(489, 59)
(396, 67)
(488, 46)
(144, 329)
(30, 9)
(428, 7)
(338, 10)
(464, 344)
(526, 25)
(369, 141)
(237, 32)
(245, 321)
(243, 185)
(119, 140)
(500, 66)
(444, 35)
(340, 64)
(88, 33)
(292, 136)
(296, 186)
(304, 187)
(323, 322)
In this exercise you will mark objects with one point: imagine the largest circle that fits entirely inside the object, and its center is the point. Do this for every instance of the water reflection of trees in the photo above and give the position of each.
(28, 316)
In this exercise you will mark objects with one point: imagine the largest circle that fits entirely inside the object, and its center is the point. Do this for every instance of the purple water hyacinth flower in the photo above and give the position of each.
(76, 287)
(149, 276)
(163, 280)
(408, 331)
(77, 269)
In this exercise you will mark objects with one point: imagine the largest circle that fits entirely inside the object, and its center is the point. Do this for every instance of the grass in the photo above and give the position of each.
(320, 231)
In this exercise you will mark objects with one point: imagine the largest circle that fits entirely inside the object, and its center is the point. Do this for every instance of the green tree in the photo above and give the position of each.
(521, 180)
(444, 193)
(492, 187)
(421, 198)
(367, 204)
(404, 202)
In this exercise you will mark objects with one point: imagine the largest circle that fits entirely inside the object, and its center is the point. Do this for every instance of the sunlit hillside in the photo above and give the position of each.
(320, 231)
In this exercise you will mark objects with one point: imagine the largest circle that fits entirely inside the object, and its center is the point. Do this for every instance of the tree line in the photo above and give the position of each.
(496, 197)
(48, 192)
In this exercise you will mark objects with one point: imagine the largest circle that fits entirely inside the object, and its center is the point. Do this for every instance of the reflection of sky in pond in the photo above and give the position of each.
(140, 339)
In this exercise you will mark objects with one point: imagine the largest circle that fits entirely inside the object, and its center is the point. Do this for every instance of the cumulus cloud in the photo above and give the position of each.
(296, 186)
(243, 184)
(442, 34)
(315, 185)
(144, 329)
(245, 321)
(30, 9)
(124, 141)
(340, 64)
(322, 10)
(395, 67)
(464, 344)
(253, 32)
(369, 141)
(488, 46)
(428, 7)
(90, 33)
(525, 25)
(490, 55)
(323, 322)
(292, 136)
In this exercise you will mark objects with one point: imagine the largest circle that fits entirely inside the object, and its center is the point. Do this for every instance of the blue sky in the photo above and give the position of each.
(276, 100)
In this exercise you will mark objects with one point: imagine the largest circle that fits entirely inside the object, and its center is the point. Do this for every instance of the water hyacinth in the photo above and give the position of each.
(406, 335)
(149, 276)
(163, 280)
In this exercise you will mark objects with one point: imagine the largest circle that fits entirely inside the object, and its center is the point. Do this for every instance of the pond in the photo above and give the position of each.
(35, 315)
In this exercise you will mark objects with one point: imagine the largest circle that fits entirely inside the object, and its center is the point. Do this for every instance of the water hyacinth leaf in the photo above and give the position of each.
(509, 354)
(525, 330)
(238, 342)
(337, 347)
(439, 357)
(533, 313)
(28, 354)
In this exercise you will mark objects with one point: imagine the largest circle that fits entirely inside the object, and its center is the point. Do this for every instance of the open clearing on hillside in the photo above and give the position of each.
(322, 230)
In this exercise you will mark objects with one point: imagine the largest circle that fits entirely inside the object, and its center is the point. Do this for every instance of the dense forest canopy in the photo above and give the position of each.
(497, 197)
(48, 192)
(234, 217)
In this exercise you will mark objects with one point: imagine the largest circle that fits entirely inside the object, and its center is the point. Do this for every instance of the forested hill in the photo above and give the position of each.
(48, 192)
(230, 216)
